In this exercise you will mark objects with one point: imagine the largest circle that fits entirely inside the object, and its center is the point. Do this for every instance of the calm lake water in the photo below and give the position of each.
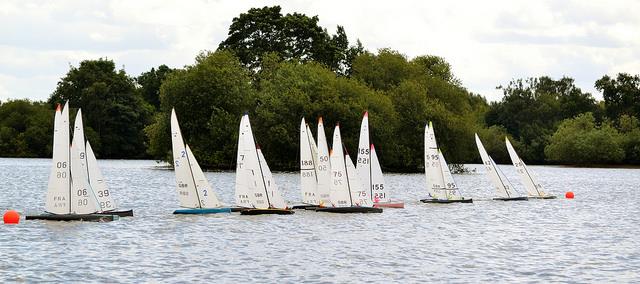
(592, 238)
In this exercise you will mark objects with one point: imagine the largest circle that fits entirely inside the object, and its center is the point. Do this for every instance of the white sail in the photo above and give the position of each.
(378, 188)
(250, 189)
(360, 196)
(530, 183)
(308, 178)
(83, 199)
(314, 148)
(503, 187)
(324, 167)
(102, 193)
(451, 189)
(271, 188)
(340, 195)
(208, 197)
(58, 189)
(185, 185)
(363, 164)
(432, 165)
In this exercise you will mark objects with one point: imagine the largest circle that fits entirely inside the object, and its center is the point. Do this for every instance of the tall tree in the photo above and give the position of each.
(621, 95)
(291, 36)
(150, 82)
(111, 106)
(209, 98)
(531, 110)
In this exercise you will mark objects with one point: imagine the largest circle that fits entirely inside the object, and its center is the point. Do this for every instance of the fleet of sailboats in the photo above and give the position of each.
(369, 170)
(348, 194)
(440, 184)
(329, 180)
(503, 186)
(71, 194)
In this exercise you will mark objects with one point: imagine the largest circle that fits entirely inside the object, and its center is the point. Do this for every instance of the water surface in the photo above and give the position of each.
(592, 238)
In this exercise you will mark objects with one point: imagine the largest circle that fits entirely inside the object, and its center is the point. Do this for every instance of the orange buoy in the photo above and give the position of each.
(11, 217)
(568, 195)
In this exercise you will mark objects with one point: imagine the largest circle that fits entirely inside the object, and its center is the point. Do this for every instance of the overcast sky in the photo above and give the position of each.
(487, 42)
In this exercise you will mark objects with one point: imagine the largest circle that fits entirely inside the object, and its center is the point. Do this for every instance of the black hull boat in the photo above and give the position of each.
(520, 198)
(276, 211)
(74, 217)
(446, 201)
(353, 209)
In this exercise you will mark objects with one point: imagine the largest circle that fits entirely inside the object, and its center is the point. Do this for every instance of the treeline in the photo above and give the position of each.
(280, 68)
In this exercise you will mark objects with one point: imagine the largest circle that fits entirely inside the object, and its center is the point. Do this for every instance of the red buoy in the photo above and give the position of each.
(11, 217)
(568, 195)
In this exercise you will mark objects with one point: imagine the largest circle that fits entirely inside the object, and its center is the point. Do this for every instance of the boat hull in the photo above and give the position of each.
(390, 204)
(275, 211)
(543, 197)
(447, 201)
(305, 207)
(350, 210)
(520, 198)
(74, 217)
(121, 213)
(195, 211)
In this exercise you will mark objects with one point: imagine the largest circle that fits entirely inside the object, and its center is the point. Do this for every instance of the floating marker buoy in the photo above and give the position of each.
(11, 217)
(568, 195)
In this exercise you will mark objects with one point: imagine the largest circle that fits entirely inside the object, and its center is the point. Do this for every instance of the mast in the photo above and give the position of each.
(500, 178)
(529, 175)
(346, 173)
(262, 175)
(195, 185)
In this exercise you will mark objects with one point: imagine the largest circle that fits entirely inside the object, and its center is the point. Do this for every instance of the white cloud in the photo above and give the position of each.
(487, 42)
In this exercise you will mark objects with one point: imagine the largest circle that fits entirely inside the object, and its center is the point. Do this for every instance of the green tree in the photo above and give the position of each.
(26, 129)
(289, 91)
(112, 107)
(531, 110)
(150, 82)
(291, 36)
(581, 141)
(209, 98)
(621, 95)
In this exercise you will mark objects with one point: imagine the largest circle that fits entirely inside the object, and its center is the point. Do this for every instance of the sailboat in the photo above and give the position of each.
(440, 184)
(194, 192)
(256, 191)
(89, 164)
(69, 193)
(348, 194)
(308, 169)
(504, 188)
(534, 188)
(369, 169)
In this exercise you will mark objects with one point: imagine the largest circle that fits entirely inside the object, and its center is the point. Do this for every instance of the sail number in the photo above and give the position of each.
(306, 163)
(82, 192)
(364, 151)
(363, 161)
(377, 186)
(307, 174)
(323, 158)
(61, 165)
(103, 193)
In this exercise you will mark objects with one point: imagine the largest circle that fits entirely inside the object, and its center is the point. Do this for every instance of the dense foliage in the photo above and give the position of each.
(281, 68)
(114, 112)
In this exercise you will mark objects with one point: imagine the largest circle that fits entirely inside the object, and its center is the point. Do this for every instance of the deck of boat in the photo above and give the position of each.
(121, 213)
(353, 209)
(74, 217)
(305, 207)
(543, 197)
(194, 211)
(256, 211)
(390, 204)
(520, 198)
(446, 201)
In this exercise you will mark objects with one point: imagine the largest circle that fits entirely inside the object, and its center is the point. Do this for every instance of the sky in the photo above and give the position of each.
(488, 43)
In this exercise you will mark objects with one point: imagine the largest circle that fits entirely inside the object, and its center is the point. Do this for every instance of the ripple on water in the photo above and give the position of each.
(593, 238)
